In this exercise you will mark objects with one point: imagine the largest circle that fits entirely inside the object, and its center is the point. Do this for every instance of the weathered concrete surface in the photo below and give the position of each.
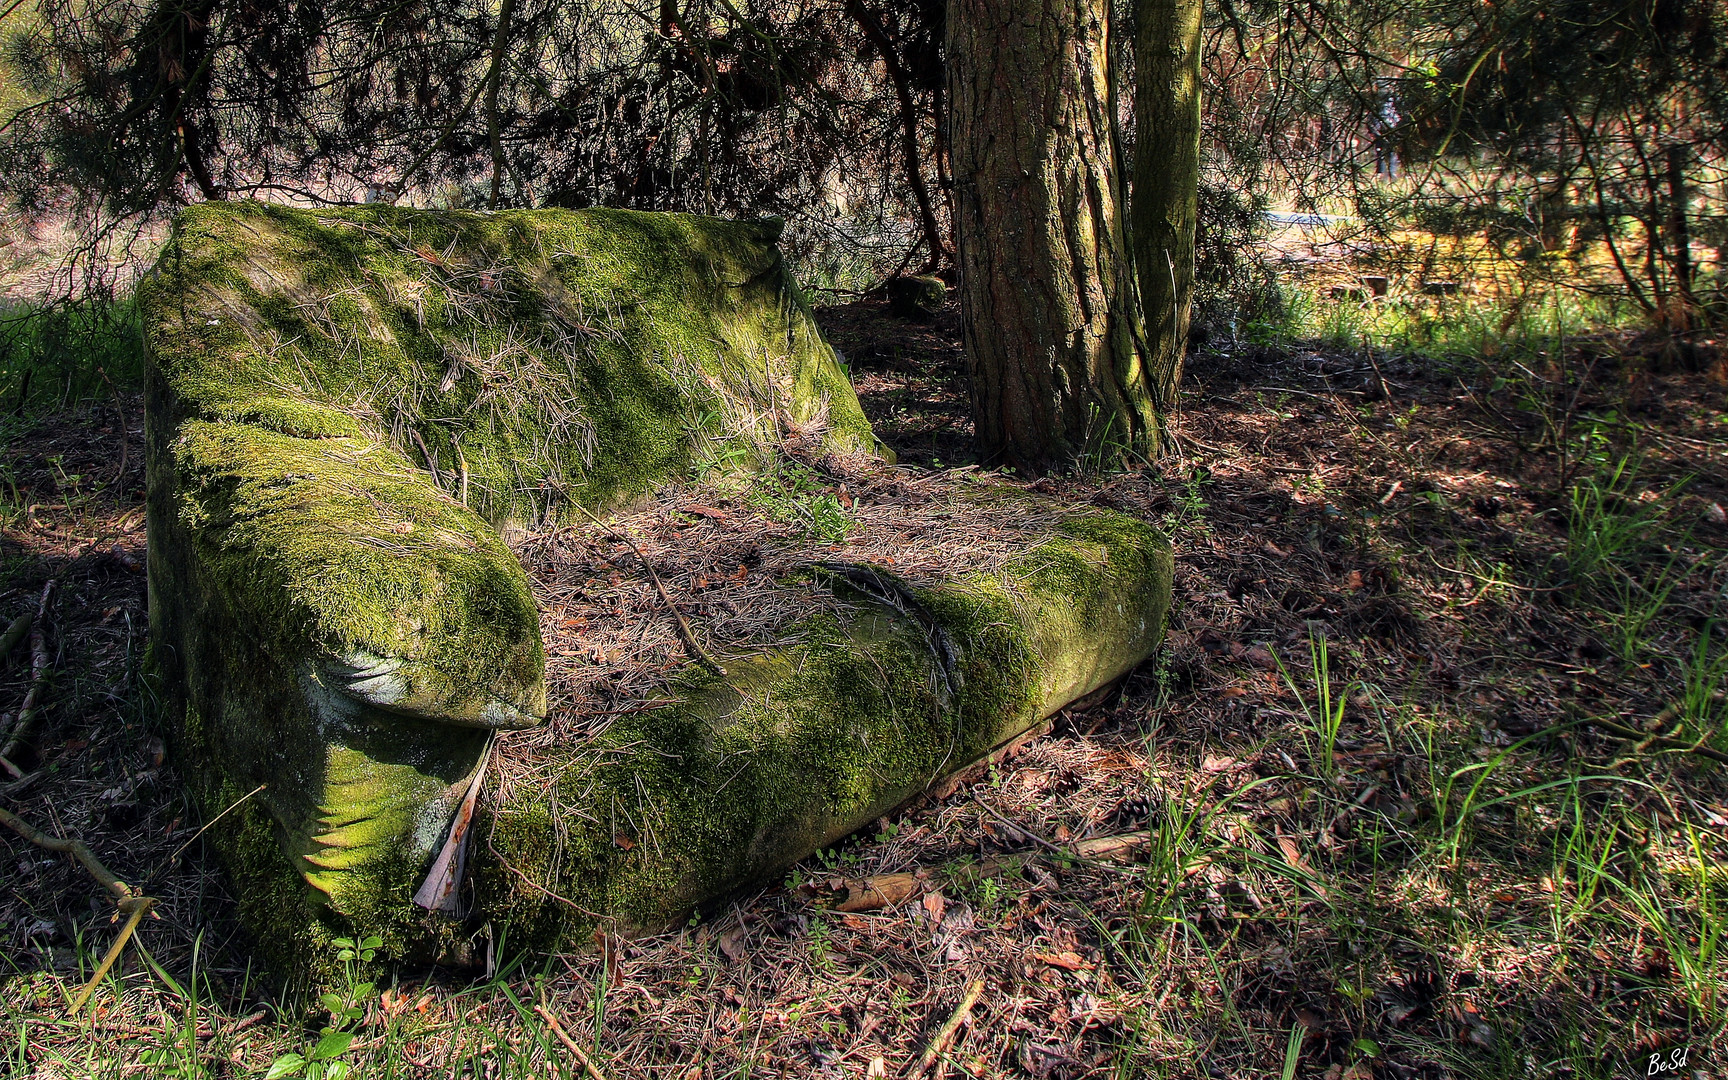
(346, 407)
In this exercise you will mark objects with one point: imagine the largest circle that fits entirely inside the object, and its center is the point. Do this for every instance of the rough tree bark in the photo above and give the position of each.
(1049, 308)
(1166, 191)
(1680, 236)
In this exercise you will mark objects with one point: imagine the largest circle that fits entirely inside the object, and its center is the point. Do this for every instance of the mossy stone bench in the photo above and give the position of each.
(347, 412)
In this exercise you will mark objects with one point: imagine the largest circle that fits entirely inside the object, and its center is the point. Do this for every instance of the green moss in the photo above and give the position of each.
(545, 356)
(342, 407)
(340, 552)
(678, 806)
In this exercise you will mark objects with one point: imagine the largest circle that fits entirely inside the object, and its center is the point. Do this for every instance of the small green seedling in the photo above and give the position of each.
(322, 1060)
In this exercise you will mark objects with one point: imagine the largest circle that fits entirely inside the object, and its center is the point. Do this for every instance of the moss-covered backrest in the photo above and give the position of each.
(525, 359)
(345, 408)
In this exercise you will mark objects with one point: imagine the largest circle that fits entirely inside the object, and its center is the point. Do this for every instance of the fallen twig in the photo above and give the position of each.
(576, 1052)
(15, 632)
(38, 676)
(1074, 853)
(945, 1034)
(74, 848)
(888, 890)
(138, 907)
(697, 653)
(231, 807)
(1645, 739)
(1379, 379)
(127, 900)
(21, 785)
(431, 462)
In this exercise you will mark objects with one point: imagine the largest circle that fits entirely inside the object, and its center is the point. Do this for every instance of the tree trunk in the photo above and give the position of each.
(1049, 309)
(1680, 235)
(1166, 192)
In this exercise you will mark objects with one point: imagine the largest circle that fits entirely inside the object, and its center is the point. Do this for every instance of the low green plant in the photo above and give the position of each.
(1189, 503)
(1703, 706)
(1293, 1050)
(322, 1060)
(51, 357)
(179, 1056)
(795, 496)
(1692, 926)
(1324, 711)
(1584, 859)
(1637, 606)
(989, 893)
(1607, 524)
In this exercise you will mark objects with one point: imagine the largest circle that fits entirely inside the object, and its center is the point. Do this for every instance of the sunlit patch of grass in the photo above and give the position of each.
(1703, 704)
(54, 357)
(1324, 711)
(1607, 524)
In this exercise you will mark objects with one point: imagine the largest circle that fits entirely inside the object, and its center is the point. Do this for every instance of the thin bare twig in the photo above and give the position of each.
(74, 848)
(38, 676)
(1646, 739)
(232, 806)
(697, 653)
(576, 1052)
(128, 900)
(15, 632)
(945, 1034)
(139, 907)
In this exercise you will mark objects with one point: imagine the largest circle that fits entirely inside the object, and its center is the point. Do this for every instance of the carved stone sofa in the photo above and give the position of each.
(348, 409)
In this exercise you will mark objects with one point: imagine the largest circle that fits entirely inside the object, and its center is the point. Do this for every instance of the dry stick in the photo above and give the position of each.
(125, 899)
(1070, 854)
(582, 1059)
(74, 848)
(945, 1035)
(14, 634)
(1652, 736)
(1645, 739)
(431, 462)
(231, 807)
(1385, 394)
(38, 676)
(697, 653)
(462, 465)
(139, 907)
(21, 785)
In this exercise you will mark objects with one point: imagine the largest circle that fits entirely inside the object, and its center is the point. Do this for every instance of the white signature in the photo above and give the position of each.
(1660, 1063)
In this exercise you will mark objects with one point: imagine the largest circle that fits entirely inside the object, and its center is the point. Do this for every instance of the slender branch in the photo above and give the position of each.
(38, 676)
(122, 892)
(898, 76)
(142, 905)
(14, 634)
(495, 76)
(945, 1034)
(576, 1052)
(1666, 742)
(697, 653)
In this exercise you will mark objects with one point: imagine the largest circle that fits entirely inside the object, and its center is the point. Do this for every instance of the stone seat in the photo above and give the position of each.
(349, 412)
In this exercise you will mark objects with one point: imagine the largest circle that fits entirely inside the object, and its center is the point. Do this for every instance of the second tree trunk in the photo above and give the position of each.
(1049, 306)
(1166, 177)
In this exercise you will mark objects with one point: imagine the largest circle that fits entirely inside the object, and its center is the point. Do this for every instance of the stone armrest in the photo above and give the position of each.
(348, 566)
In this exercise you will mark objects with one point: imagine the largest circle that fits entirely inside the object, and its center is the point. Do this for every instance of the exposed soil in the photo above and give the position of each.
(1413, 515)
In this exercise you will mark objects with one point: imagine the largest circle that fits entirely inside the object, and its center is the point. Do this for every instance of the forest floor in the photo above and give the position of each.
(1426, 767)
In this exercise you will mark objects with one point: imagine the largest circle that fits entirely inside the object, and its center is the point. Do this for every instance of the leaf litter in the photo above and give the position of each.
(1282, 898)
